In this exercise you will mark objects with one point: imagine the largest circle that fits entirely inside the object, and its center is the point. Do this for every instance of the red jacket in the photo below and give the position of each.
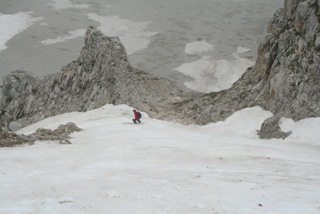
(136, 117)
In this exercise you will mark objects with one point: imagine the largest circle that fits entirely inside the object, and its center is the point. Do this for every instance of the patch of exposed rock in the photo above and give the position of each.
(60, 135)
(270, 125)
(11, 139)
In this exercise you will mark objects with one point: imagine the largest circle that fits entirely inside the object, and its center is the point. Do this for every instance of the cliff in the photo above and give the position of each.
(285, 79)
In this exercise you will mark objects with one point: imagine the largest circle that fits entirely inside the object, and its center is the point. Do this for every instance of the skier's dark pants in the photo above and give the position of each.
(135, 121)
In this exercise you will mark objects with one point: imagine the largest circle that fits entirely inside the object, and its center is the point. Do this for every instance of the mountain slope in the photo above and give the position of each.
(285, 79)
(162, 167)
(100, 75)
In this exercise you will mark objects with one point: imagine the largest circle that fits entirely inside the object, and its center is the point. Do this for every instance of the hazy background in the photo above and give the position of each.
(160, 36)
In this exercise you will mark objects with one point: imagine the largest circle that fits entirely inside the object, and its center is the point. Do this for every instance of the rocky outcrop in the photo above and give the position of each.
(101, 75)
(286, 77)
(269, 126)
(12, 139)
(60, 135)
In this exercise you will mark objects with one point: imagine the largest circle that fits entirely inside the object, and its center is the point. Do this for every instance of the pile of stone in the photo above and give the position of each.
(60, 135)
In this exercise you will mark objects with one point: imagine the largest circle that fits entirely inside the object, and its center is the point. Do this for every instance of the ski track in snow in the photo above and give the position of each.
(162, 167)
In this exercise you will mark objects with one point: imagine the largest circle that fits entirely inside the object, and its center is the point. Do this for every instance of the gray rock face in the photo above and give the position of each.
(99, 76)
(269, 126)
(286, 77)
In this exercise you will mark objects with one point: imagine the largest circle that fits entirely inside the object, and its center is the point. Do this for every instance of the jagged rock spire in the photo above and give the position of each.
(100, 75)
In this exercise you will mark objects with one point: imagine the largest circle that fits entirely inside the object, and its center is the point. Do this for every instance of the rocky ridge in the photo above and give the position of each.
(284, 80)
(101, 74)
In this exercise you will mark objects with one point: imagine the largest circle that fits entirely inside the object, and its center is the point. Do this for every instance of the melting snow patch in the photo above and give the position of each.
(132, 34)
(65, 4)
(12, 24)
(71, 35)
(198, 47)
(212, 75)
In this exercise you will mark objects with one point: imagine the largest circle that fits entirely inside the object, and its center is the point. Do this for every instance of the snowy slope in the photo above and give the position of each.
(163, 167)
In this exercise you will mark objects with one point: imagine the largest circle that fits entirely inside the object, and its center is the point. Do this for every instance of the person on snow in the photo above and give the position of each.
(137, 116)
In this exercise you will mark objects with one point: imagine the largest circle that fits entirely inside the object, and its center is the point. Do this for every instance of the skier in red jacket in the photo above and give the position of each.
(137, 116)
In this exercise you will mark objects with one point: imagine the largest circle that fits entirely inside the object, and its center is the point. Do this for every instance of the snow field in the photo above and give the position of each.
(160, 167)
